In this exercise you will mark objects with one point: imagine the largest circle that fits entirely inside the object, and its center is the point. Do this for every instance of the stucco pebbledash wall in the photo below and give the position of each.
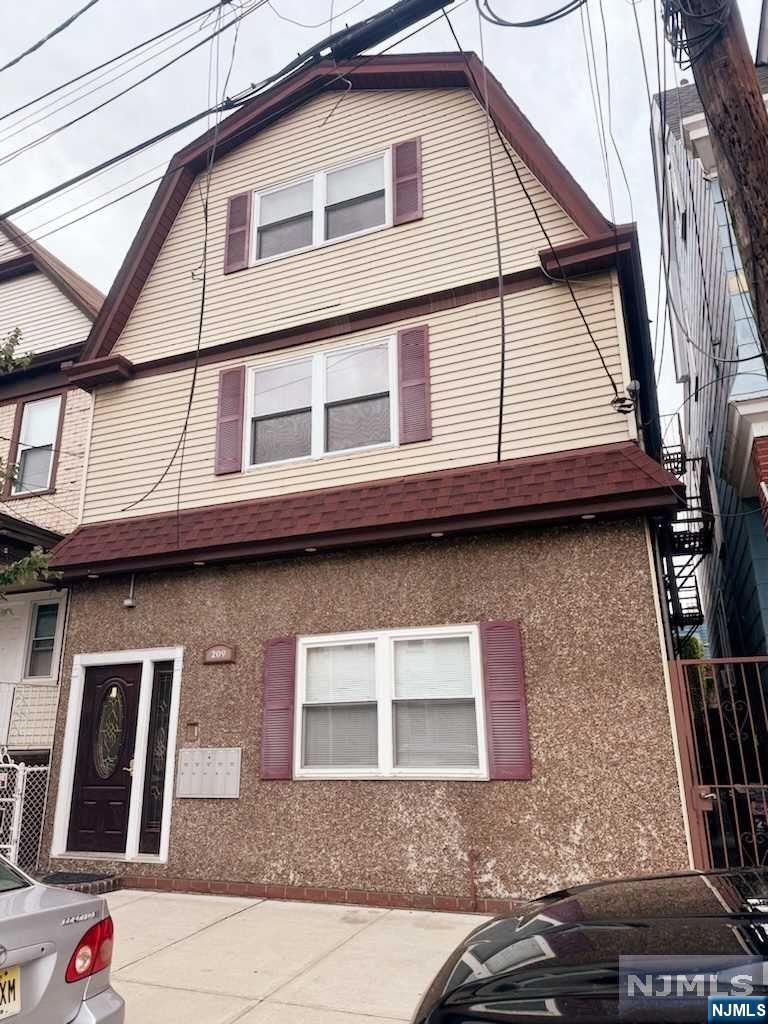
(604, 797)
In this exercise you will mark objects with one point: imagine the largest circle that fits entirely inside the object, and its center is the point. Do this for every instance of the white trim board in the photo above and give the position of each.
(146, 658)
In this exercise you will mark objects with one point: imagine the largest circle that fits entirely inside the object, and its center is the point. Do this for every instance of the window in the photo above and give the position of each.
(357, 398)
(37, 437)
(398, 704)
(355, 199)
(328, 206)
(285, 220)
(329, 402)
(281, 426)
(42, 640)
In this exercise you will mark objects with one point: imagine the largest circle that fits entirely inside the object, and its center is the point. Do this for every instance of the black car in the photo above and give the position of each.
(646, 949)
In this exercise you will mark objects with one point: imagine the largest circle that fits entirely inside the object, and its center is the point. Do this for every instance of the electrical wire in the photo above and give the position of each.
(488, 14)
(112, 60)
(618, 401)
(499, 260)
(610, 112)
(687, 48)
(54, 32)
(231, 103)
(8, 158)
(82, 92)
(319, 24)
(323, 86)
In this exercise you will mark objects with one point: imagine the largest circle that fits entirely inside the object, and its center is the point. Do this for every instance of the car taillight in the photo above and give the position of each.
(93, 952)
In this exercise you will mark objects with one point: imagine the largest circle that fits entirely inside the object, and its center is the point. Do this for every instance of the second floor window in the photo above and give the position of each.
(37, 439)
(327, 206)
(328, 402)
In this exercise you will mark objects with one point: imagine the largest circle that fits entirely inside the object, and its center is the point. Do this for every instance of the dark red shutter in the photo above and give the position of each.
(278, 697)
(506, 712)
(406, 181)
(413, 380)
(229, 421)
(238, 241)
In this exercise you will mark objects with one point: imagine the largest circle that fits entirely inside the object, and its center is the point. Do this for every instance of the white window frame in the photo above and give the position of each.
(28, 680)
(317, 399)
(17, 489)
(384, 662)
(147, 659)
(319, 190)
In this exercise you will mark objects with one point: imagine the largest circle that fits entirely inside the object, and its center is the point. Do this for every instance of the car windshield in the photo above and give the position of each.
(10, 879)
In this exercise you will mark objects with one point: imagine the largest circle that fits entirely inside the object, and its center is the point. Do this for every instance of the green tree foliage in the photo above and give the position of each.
(9, 361)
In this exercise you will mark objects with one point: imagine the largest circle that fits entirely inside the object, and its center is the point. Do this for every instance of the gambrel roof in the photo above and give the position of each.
(407, 71)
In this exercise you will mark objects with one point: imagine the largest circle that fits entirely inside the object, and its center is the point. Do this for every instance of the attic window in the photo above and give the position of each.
(326, 207)
(37, 439)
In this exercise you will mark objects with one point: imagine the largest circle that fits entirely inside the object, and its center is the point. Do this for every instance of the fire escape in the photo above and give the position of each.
(686, 540)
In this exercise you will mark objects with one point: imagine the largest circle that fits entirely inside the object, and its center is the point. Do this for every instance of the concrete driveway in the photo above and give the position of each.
(214, 960)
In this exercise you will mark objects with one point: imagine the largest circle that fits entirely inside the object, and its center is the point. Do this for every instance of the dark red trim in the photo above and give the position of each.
(19, 266)
(606, 480)
(113, 369)
(333, 327)
(588, 255)
(401, 71)
(80, 292)
(321, 894)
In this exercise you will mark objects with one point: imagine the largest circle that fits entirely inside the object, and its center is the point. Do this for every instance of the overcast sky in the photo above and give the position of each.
(543, 69)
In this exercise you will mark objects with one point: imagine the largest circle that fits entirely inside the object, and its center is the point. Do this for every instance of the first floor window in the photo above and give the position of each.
(42, 640)
(37, 438)
(396, 703)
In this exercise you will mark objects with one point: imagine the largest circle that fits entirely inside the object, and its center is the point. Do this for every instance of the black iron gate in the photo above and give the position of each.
(721, 708)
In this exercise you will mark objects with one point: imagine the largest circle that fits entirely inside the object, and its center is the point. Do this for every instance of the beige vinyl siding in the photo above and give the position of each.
(452, 245)
(557, 397)
(8, 250)
(59, 511)
(47, 318)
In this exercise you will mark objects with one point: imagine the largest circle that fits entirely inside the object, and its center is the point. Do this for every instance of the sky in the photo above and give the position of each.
(543, 69)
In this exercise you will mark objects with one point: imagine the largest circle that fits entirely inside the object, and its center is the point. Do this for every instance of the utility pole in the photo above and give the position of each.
(730, 94)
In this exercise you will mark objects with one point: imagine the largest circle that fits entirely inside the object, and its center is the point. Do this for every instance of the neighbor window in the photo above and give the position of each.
(37, 438)
(42, 640)
(324, 207)
(400, 703)
(329, 402)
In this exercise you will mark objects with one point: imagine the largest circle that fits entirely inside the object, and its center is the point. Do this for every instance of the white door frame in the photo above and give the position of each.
(147, 659)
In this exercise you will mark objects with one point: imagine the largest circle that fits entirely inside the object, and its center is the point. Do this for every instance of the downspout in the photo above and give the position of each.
(761, 57)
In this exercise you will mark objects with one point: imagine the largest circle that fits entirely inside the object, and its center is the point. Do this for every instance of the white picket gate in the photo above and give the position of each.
(23, 792)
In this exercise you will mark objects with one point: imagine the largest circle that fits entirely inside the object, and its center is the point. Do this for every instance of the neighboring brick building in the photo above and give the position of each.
(44, 425)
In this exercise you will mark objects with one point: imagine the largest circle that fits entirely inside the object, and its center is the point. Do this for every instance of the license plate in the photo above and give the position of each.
(10, 992)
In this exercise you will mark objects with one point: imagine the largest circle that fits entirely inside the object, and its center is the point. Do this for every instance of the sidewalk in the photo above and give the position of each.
(216, 960)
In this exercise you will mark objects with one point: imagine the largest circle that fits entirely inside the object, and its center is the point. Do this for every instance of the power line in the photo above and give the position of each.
(619, 402)
(323, 86)
(50, 35)
(81, 92)
(303, 24)
(111, 99)
(610, 111)
(113, 60)
(499, 263)
(486, 11)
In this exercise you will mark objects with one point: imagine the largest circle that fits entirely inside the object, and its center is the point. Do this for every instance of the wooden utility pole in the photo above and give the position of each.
(730, 93)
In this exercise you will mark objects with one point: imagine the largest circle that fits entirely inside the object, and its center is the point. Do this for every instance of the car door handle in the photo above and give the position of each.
(129, 769)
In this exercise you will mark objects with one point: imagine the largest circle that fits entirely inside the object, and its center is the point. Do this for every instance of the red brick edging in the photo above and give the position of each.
(362, 897)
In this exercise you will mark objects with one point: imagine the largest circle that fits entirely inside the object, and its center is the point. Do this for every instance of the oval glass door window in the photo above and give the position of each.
(110, 731)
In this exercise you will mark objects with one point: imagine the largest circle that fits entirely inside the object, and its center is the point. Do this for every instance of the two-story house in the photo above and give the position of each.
(364, 600)
(721, 362)
(44, 423)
